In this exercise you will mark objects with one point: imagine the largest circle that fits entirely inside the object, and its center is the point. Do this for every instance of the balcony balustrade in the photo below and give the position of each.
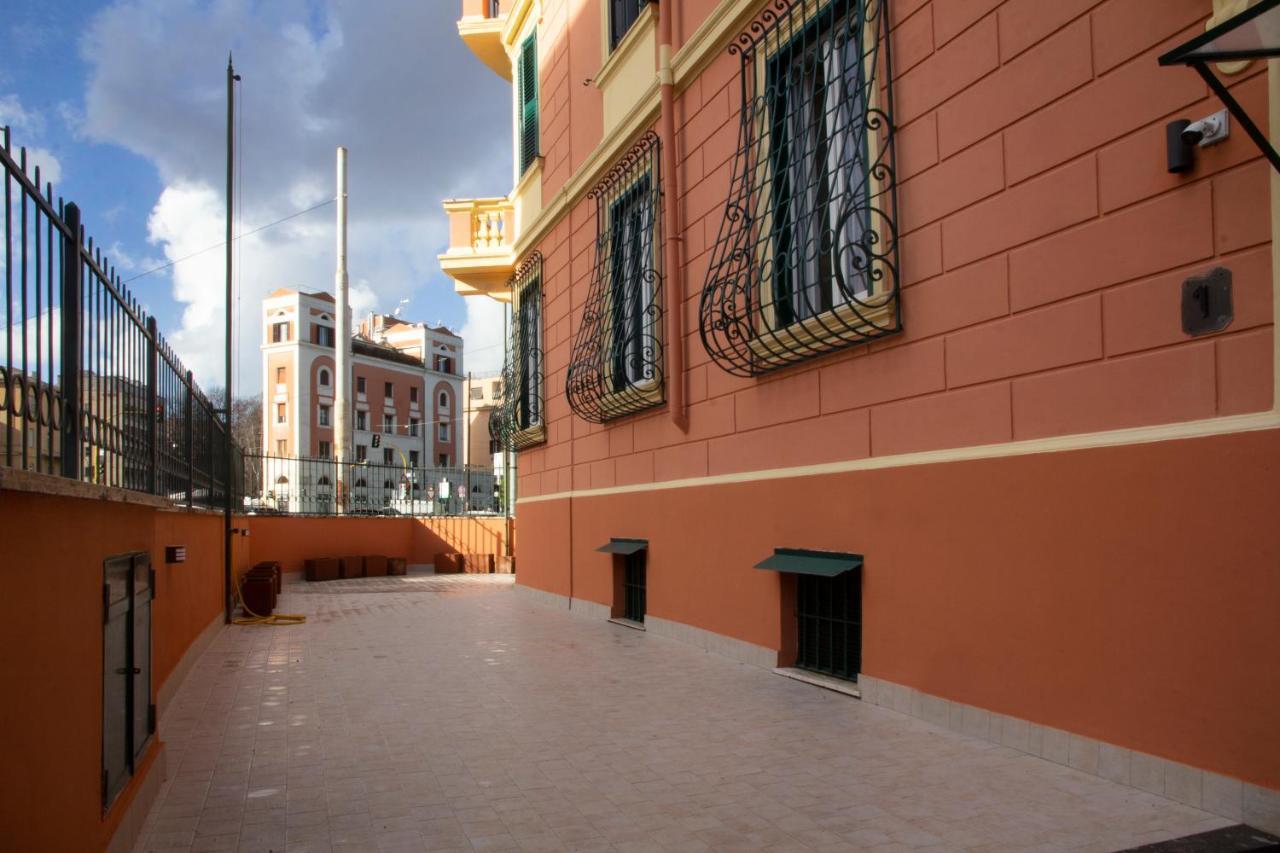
(481, 234)
(489, 226)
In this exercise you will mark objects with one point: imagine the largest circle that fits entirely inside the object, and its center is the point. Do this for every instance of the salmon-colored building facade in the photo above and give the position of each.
(406, 385)
(951, 376)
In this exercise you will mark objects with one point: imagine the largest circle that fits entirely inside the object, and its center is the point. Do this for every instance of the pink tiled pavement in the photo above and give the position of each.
(448, 713)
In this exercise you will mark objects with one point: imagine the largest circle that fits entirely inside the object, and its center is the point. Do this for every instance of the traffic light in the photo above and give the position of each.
(377, 440)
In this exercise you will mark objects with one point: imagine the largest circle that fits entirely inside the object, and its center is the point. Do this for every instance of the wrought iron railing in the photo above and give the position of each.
(806, 259)
(615, 367)
(518, 422)
(89, 390)
(284, 485)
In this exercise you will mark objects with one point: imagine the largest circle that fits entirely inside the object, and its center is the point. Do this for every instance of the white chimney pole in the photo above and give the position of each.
(342, 338)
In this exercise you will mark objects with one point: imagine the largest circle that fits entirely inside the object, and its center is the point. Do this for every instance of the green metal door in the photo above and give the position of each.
(116, 676)
(128, 717)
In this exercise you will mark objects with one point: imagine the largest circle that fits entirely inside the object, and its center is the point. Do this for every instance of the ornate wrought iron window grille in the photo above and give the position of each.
(517, 422)
(806, 260)
(615, 367)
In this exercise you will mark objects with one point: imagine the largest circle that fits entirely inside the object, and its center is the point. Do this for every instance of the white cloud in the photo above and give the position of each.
(49, 165)
(315, 75)
(482, 333)
(15, 116)
(363, 300)
(40, 162)
(29, 126)
(125, 261)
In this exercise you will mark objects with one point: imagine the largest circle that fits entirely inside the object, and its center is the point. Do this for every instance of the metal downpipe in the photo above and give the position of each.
(671, 221)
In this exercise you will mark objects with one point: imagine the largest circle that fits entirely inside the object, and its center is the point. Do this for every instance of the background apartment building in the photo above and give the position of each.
(483, 395)
(406, 387)
(863, 338)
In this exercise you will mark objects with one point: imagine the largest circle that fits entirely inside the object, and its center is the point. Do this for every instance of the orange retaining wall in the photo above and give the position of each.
(51, 632)
(51, 652)
(291, 540)
(1126, 594)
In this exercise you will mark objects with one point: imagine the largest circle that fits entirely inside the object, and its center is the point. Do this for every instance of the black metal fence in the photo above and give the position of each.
(89, 390)
(282, 485)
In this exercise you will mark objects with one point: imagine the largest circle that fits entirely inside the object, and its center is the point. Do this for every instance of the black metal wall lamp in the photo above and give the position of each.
(1252, 34)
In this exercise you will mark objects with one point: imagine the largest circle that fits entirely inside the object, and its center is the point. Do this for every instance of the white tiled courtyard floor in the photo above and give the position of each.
(447, 713)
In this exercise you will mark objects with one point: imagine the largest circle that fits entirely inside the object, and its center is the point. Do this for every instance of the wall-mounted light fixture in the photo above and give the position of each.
(1252, 34)
(1183, 136)
(175, 554)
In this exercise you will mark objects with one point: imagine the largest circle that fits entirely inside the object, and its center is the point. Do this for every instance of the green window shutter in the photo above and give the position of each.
(528, 117)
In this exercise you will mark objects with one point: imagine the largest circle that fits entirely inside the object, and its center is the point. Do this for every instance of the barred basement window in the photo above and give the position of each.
(516, 422)
(829, 624)
(806, 260)
(615, 367)
(633, 586)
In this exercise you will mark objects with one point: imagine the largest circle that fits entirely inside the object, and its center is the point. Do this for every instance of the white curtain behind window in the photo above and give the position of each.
(823, 94)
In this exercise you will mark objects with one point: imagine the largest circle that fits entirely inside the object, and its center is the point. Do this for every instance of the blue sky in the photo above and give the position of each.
(123, 102)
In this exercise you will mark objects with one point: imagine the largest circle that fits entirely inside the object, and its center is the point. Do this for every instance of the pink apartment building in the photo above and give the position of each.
(876, 341)
(406, 385)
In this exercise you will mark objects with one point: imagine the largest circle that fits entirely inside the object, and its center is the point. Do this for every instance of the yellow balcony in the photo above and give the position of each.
(481, 30)
(481, 235)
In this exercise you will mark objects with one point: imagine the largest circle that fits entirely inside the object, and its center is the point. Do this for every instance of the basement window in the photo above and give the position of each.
(630, 588)
(826, 588)
(829, 624)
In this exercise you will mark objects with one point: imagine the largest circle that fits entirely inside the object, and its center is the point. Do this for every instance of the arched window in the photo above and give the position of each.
(324, 376)
(360, 484)
(387, 484)
(282, 480)
(444, 399)
(324, 481)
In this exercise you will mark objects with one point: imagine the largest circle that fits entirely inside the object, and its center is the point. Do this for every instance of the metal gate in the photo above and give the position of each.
(633, 591)
(829, 624)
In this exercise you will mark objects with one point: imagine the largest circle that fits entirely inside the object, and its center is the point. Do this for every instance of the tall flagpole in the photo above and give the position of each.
(228, 477)
(342, 340)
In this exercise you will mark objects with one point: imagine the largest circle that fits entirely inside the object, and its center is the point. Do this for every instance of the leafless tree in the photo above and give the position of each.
(246, 419)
